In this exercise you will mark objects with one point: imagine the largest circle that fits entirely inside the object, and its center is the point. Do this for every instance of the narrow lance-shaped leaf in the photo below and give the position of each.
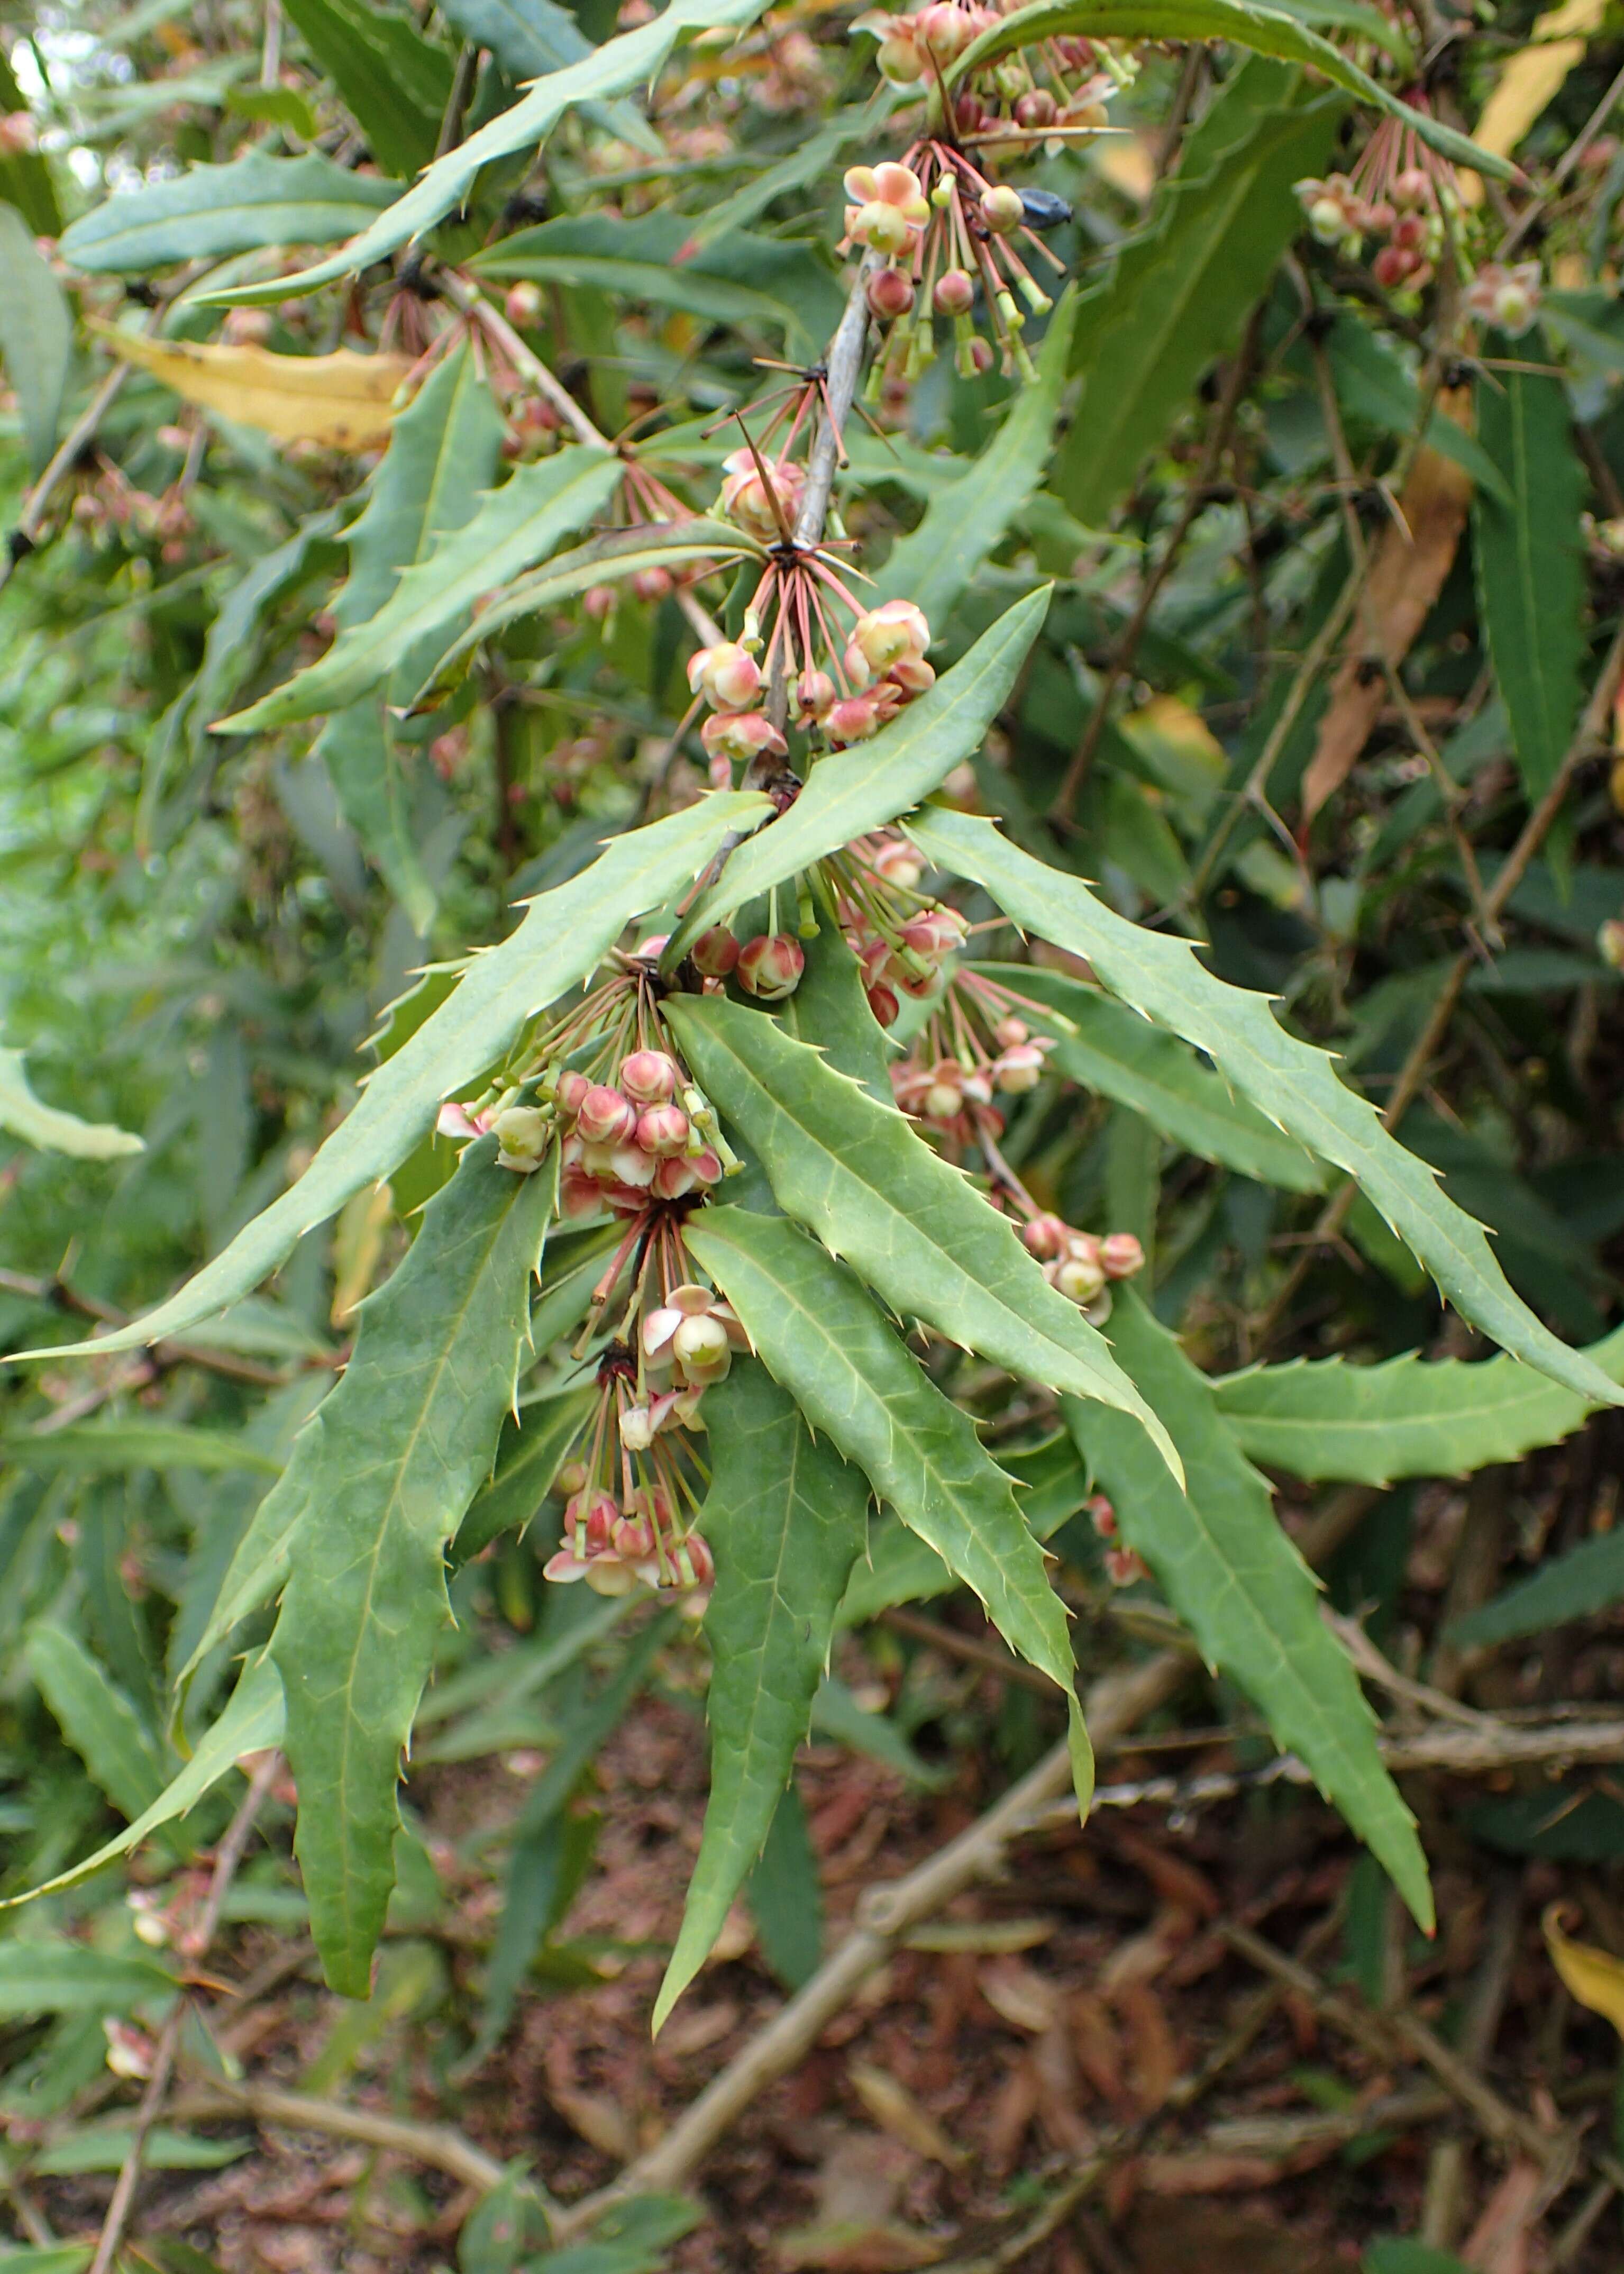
(24, 1115)
(530, 38)
(209, 212)
(786, 1519)
(96, 1718)
(936, 563)
(1530, 568)
(857, 1174)
(1051, 1485)
(1586, 1581)
(1409, 1417)
(395, 80)
(36, 335)
(1290, 1080)
(108, 1448)
(863, 788)
(443, 449)
(514, 526)
(632, 60)
(1241, 1588)
(394, 1457)
(1268, 31)
(819, 1333)
(605, 559)
(253, 1721)
(1104, 1047)
(564, 935)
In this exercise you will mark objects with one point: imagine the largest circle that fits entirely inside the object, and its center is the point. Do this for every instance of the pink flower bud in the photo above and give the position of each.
(856, 718)
(1045, 1236)
(883, 1003)
(884, 637)
(944, 1101)
(572, 1089)
(1124, 1566)
(675, 1179)
(770, 965)
(706, 1166)
(727, 677)
(813, 692)
(650, 583)
(899, 59)
(742, 735)
(662, 1130)
(935, 932)
(890, 294)
(909, 676)
(1392, 265)
(525, 304)
(748, 500)
(715, 953)
(1412, 187)
(980, 354)
(1009, 1032)
(1036, 109)
(1120, 1255)
(604, 1117)
(946, 30)
(1018, 1070)
(650, 1077)
(598, 602)
(1102, 1516)
(1002, 209)
(898, 862)
(631, 1167)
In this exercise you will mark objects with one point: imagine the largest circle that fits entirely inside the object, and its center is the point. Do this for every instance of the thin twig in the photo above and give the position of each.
(885, 1917)
(436, 2145)
(229, 1856)
(63, 1297)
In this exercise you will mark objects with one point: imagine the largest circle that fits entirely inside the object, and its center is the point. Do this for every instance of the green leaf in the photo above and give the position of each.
(36, 336)
(526, 1463)
(631, 2239)
(564, 935)
(104, 1449)
(963, 523)
(1241, 1587)
(1290, 1080)
(605, 252)
(1179, 294)
(633, 59)
(287, 108)
(253, 1721)
(862, 789)
(530, 38)
(1409, 1416)
(395, 83)
(47, 2258)
(785, 1898)
(549, 1849)
(819, 1333)
(391, 1461)
(1051, 1485)
(443, 449)
(1267, 31)
(25, 1116)
(605, 559)
(1585, 1581)
(96, 1718)
(509, 529)
(1530, 564)
(1403, 2256)
(211, 212)
(859, 1176)
(69, 1977)
(1372, 385)
(1366, 23)
(786, 1519)
(1106, 1048)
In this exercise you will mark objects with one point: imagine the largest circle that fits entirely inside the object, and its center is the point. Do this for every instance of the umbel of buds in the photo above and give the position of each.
(761, 498)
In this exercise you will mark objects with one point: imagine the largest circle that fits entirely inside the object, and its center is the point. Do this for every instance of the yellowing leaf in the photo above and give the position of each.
(1595, 1977)
(1529, 80)
(343, 401)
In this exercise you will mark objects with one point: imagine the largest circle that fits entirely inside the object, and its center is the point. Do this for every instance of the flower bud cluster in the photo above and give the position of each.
(762, 497)
(646, 1136)
(1395, 194)
(638, 1540)
(881, 669)
(1077, 1262)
